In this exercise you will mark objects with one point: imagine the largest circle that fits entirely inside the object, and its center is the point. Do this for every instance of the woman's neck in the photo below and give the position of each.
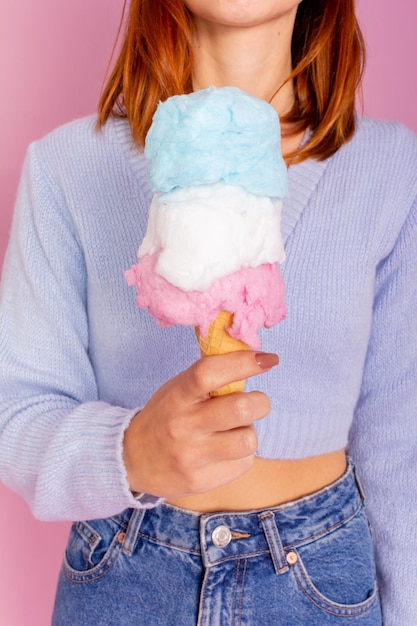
(257, 60)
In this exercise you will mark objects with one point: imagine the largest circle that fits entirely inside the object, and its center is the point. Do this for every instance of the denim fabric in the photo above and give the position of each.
(308, 562)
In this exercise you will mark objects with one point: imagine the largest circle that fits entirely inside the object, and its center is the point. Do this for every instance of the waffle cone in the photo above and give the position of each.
(218, 341)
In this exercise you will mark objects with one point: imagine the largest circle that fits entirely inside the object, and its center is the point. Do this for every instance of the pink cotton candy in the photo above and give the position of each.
(256, 296)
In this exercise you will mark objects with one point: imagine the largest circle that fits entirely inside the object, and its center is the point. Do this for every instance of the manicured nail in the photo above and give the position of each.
(266, 360)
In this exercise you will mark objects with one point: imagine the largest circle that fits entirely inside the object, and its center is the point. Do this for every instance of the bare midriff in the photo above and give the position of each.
(269, 483)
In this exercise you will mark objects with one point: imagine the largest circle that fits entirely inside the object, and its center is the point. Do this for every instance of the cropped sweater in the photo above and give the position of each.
(78, 358)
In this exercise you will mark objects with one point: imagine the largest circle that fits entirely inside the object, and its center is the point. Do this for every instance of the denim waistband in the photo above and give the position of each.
(221, 536)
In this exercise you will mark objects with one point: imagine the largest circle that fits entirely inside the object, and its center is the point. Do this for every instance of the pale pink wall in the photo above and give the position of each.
(389, 27)
(53, 56)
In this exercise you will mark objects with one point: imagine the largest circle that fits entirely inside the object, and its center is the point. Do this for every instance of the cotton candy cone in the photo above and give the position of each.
(218, 341)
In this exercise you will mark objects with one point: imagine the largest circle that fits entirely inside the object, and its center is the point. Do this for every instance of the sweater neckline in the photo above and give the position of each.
(133, 153)
(303, 178)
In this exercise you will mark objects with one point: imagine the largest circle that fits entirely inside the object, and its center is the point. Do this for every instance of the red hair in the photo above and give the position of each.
(155, 62)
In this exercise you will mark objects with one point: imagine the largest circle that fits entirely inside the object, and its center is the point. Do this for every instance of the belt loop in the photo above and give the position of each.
(274, 542)
(131, 535)
(358, 482)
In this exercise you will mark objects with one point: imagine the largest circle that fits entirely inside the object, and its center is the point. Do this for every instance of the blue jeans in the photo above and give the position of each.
(308, 562)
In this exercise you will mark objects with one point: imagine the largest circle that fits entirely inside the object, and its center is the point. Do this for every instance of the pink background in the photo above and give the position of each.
(53, 56)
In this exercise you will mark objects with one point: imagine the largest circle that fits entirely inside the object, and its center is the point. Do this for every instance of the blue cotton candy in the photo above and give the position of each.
(216, 135)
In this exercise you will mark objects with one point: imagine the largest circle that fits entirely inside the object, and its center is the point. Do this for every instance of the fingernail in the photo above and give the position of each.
(266, 360)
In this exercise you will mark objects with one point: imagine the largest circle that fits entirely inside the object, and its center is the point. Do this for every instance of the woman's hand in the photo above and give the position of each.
(185, 442)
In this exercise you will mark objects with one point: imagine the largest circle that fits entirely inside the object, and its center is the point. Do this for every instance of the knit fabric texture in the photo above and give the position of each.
(78, 358)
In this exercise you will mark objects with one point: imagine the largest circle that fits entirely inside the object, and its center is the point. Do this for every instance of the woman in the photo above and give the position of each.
(245, 508)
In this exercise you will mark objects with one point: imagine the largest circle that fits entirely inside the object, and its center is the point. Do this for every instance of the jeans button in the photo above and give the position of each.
(221, 536)
(292, 557)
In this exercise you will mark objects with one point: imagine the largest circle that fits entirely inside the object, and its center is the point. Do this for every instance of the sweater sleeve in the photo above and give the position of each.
(383, 438)
(60, 446)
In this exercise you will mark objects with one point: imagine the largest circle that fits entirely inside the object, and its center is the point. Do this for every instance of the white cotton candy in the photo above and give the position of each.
(205, 232)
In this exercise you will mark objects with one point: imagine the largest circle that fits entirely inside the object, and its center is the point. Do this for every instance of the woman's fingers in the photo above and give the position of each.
(232, 411)
(213, 372)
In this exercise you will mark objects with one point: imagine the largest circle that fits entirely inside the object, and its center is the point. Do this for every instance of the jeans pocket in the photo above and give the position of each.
(336, 571)
(92, 549)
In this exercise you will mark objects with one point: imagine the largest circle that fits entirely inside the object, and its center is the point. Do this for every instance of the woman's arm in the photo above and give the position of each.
(60, 447)
(383, 439)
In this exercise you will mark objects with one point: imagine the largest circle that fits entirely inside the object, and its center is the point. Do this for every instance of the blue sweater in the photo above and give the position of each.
(78, 358)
